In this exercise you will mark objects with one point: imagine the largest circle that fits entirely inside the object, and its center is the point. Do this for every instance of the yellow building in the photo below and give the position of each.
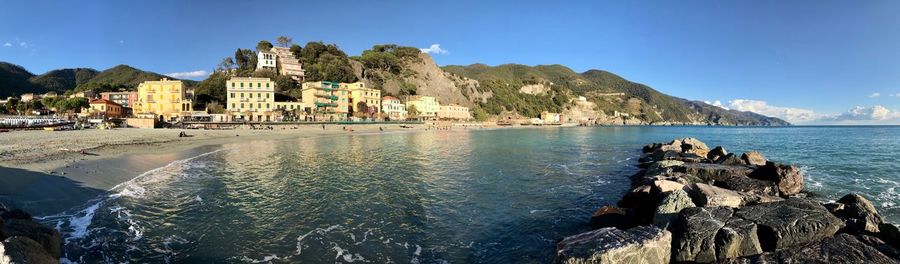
(164, 98)
(106, 108)
(454, 111)
(327, 99)
(250, 99)
(360, 94)
(426, 106)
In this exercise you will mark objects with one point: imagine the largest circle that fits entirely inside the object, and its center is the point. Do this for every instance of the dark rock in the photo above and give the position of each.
(730, 159)
(636, 196)
(694, 233)
(643, 244)
(709, 196)
(788, 178)
(859, 214)
(611, 216)
(25, 250)
(49, 238)
(754, 158)
(890, 233)
(690, 158)
(716, 153)
(737, 239)
(712, 172)
(880, 245)
(748, 185)
(842, 248)
(662, 167)
(661, 154)
(670, 206)
(16, 214)
(789, 223)
(834, 208)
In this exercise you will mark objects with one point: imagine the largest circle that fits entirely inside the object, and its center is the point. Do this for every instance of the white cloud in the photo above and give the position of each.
(23, 44)
(435, 49)
(873, 95)
(789, 114)
(189, 75)
(7, 44)
(895, 95)
(874, 113)
(717, 103)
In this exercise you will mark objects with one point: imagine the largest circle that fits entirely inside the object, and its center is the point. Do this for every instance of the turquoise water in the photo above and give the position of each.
(500, 196)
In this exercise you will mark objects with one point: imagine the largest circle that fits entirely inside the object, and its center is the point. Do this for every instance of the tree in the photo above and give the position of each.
(284, 41)
(479, 114)
(296, 50)
(264, 45)
(215, 108)
(362, 107)
(226, 64)
(407, 88)
(412, 111)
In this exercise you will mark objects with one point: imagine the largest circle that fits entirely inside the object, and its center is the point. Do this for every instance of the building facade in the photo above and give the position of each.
(454, 111)
(125, 99)
(359, 93)
(326, 98)
(265, 60)
(164, 98)
(250, 99)
(551, 118)
(426, 106)
(288, 64)
(106, 108)
(392, 108)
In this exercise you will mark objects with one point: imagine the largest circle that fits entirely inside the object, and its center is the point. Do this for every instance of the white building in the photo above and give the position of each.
(266, 60)
(393, 108)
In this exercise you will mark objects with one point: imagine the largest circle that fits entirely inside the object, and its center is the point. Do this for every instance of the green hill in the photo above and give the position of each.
(64, 79)
(14, 80)
(119, 77)
(611, 93)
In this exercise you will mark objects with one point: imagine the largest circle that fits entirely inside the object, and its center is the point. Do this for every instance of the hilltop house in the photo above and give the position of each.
(288, 64)
(265, 60)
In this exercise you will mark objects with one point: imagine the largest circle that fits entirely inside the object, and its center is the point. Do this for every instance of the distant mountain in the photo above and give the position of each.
(15, 80)
(616, 100)
(64, 79)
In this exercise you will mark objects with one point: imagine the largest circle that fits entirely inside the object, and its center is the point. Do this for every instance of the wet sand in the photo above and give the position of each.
(47, 172)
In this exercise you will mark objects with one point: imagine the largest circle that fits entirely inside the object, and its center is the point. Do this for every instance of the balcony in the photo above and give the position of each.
(261, 100)
(244, 100)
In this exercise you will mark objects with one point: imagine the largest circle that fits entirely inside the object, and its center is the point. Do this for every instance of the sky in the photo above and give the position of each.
(816, 62)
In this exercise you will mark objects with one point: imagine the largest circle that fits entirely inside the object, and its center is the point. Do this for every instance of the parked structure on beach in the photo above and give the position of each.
(105, 108)
(164, 98)
(126, 99)
(454, 111)
(426, 106)
(393, 108)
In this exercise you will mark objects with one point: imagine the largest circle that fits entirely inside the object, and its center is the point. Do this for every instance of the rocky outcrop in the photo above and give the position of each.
(725, 209)
(788, 178)
(645, 244)
(27, 241)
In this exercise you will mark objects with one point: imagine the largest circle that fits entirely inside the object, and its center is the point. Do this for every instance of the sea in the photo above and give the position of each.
(479, 196)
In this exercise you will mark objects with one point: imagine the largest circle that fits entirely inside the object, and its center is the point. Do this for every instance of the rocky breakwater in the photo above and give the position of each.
(693, 204)
(22, 240)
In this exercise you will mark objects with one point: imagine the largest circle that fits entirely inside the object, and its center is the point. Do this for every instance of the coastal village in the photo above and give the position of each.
(249, 100)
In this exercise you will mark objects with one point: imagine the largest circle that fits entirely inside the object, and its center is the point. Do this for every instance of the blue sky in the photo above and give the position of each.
(809, 61)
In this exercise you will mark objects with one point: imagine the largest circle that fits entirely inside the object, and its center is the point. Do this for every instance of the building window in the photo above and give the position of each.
(242, 105)
(251, 85)
(232, 95)
(232, 105)
(258, 105)
(267, 95)
(251, 95)
(267, 105)
(258, 95)
(267, 85)
(242, 95)
(242, 85)
(259, 85)
(232, 85)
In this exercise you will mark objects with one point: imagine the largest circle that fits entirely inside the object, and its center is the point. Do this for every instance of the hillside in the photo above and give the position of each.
(14, 80)
(607, 95)
(64, 79)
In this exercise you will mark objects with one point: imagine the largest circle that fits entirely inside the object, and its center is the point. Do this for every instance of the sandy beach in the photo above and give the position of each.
(47, 172)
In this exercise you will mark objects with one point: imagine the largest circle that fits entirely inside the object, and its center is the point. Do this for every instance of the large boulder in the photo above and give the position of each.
(662, 167)
(47, 237)
(712, 172)
(748, 185)
(788, 178)
(611, 216)
(737, 239)
(709, 196)
(754, 158)
(19, 249)
(730, 159)
(716, 153)
(666, 186)
(859, 214)
(842, 248)
(890, 233)
(791, 222)
(670, 206)
(694, 233)
(637, 196)
(643, 244)
(694, 146)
